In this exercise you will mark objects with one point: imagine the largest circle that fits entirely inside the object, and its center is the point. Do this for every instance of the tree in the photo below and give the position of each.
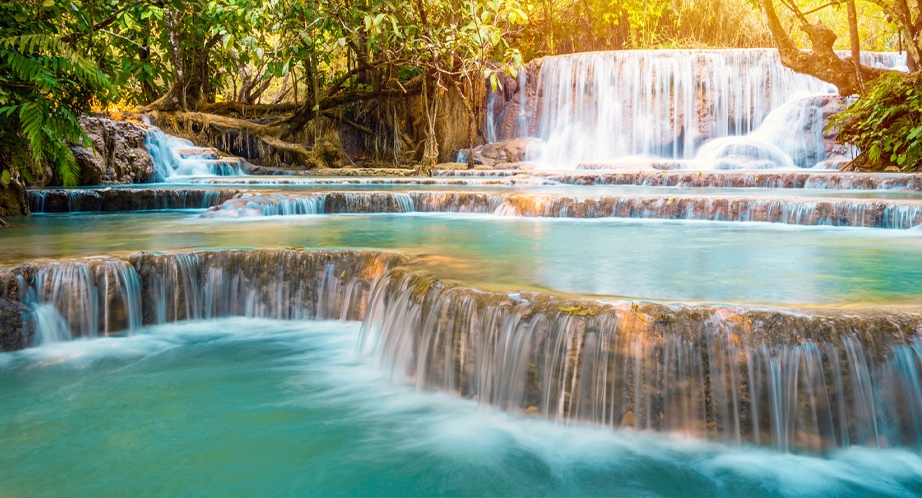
(847, 74)
(45, 83)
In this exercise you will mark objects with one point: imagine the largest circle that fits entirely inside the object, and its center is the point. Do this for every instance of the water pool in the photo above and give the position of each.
(260, 407)
(641, 259)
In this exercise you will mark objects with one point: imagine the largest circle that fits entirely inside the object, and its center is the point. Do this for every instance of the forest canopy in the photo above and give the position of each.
(283, 68)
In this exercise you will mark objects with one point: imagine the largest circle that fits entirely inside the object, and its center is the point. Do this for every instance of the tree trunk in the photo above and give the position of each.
(822, 62)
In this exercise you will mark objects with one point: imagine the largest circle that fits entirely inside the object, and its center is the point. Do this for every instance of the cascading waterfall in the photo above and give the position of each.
(106, 296)
(886, 60)
(171, 164)
(88, 298)
(123, 199)
(792, 381)
(606, 106)
(738, 179)
(843, 213)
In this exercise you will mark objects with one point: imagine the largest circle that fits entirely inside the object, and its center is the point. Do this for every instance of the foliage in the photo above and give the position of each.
(336, 59)
(886, 124)
(44, 84)
(563, 26)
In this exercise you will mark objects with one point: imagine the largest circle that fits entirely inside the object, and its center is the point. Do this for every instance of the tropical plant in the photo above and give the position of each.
(885, 124)
(44, 85)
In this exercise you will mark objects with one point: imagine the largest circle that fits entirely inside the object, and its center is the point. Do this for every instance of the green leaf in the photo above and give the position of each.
(6, 178)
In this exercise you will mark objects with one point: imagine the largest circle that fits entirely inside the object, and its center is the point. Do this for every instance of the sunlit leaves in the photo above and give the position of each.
(887, 122)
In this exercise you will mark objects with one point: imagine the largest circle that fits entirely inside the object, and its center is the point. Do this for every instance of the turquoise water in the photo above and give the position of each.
(641, 259)
(248, 407)
(293, 185)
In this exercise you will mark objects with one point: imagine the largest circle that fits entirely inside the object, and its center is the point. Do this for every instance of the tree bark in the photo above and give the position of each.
(822, 62)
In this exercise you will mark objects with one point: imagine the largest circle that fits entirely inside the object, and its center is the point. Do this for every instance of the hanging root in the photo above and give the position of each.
(258, 143)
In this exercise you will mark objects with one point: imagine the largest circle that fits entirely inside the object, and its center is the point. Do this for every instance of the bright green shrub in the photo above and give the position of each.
(886, 124)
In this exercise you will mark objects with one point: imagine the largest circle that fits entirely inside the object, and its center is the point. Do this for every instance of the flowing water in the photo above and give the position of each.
(644, 259)
(593, 332)
(177, 159)
(260, 407)
(724, 109)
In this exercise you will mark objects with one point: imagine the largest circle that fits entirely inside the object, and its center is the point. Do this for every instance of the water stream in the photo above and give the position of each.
(743, 321)
(708, 109)
(263, 407)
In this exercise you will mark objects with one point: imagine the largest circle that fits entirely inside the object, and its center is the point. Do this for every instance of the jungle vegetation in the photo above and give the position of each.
(286, 71)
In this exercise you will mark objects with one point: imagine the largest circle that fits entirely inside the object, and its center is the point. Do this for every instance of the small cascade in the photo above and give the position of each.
(840, 213)
(282, 284)
(175, 159)
(122, 199)
(794, 381)
(793, 135)
(84, 298)
(248, 205)
(106, 296)
(740, 179)
(885, 60)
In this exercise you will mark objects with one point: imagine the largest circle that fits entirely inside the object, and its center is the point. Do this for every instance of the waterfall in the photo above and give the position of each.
(792, 381)
(123, 199)
(175, 159)
(891, 214)
(106, 296)
(796, 380)
(606, 106)
(84, 298)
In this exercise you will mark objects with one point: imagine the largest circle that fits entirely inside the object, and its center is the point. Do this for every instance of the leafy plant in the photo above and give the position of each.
(886, 124)
(44, 85)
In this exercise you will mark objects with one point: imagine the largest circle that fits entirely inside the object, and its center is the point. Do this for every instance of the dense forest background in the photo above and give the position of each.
(285, 73)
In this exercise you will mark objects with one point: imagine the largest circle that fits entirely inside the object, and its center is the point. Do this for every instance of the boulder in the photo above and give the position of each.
(516, 150)
(13, 201)
(118, 154)
(17, 325)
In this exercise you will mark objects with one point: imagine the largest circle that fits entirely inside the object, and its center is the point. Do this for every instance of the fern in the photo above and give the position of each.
(40, 98)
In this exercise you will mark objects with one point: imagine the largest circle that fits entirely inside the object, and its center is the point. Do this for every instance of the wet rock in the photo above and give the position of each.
(516, 150)
(198, 153)
(13, 201)
(118, 154)
(17, 325)
(514, 117)
(116, 199)
(706, 371)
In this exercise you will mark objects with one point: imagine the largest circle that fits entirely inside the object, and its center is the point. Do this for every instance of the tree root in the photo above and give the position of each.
(255, 142)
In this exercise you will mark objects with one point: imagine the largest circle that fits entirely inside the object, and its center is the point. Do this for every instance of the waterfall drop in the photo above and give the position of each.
(176, 159)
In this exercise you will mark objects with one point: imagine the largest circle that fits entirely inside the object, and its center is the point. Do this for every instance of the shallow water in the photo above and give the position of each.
(270, 184)
(259, 407)
(643, 259)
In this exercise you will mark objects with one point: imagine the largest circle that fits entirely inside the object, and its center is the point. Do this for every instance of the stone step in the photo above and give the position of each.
(868, 213)
(802, 179)
(198, 153)
(223, 161)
